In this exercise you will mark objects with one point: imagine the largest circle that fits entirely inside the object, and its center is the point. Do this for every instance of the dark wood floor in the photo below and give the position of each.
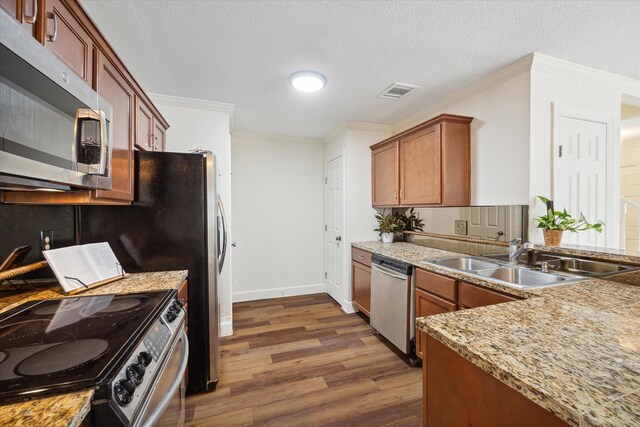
(301, 361)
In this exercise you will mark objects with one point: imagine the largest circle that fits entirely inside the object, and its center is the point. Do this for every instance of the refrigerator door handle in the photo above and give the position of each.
(222, 223)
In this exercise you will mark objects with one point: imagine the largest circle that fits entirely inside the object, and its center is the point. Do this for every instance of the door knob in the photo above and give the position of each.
(339, 238)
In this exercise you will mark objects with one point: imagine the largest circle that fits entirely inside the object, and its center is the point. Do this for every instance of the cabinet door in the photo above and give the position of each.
(384, 175)
(159, 136)
(420, 168)
(361, 279)
(115, 89)
(471, 296)
(426, 305)
(144, 126)
(24, 11)
(66, 37)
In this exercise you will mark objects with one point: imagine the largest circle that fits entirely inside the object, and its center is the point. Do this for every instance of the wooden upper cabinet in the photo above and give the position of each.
(420, 168)
(65, 36)
(144, 126)
(150, 132)
(24, 11)
(432, 165)
(117, 91)
(159, 135)
(384, 175)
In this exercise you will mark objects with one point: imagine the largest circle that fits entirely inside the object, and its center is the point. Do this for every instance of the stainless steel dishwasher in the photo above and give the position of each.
(393, 302)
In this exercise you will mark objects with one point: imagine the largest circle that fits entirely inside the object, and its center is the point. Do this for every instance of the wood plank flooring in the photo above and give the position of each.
(301, 361)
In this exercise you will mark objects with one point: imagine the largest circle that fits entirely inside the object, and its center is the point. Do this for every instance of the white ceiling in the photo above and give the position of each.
(242, 52)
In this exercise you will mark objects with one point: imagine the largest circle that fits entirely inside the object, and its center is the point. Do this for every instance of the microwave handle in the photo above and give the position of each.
(88, 114)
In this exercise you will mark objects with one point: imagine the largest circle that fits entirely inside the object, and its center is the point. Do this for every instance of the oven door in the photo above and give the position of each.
(165, 401)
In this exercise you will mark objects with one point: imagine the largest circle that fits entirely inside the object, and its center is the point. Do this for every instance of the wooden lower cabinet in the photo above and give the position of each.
(471, 296)
(361, 280)
(426, 305)
(458, 393)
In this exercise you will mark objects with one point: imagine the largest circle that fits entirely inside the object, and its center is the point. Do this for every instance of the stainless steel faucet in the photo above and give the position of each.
(515, 250)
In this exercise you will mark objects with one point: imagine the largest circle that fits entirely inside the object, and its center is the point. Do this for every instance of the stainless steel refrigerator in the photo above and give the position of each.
(176, 222)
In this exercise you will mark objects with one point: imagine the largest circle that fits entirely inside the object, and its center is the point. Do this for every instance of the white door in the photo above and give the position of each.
(333, 228)
(486, 222)
(580, 184)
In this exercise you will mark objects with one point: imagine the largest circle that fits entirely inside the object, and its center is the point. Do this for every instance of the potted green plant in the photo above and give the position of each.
(388, 226)
(554, 223)
(412, 222)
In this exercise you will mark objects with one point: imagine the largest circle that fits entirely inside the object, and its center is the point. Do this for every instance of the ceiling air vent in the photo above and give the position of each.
(397, 90)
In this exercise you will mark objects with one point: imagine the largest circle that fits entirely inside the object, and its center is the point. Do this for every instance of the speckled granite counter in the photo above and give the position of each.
(418, 255)
(69, 410)
(573, 349)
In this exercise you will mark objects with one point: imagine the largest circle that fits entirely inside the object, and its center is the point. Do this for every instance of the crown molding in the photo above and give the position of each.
(561, 67)
(362, 126)
(199, 104)
(369, 127)
(512, 70)
(275, 138)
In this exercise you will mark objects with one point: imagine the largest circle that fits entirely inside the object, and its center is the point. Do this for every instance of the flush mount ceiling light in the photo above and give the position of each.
(307, 81)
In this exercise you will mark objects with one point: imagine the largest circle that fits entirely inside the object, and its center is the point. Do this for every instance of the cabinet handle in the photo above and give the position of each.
(395, 194)
(401, 193)
(34, 9)
(51, 15)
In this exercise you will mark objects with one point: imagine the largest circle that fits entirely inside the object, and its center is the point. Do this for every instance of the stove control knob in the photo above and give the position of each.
(144, 358)
(123, 392)
(135, 372)
(171, 316)
(180, 302)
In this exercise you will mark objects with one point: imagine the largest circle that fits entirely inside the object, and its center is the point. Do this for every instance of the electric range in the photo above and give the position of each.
(131, 348)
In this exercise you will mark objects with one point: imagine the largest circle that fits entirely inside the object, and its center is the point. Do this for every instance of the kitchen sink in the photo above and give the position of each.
(510, 275)
(582, 267)
(586, 267)
(524, 259)
(522, 277)
(465, 263)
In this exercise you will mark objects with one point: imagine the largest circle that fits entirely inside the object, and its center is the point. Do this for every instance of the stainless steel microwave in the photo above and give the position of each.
(54, 129)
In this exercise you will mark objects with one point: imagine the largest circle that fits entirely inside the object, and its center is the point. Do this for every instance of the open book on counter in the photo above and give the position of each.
(84, 266)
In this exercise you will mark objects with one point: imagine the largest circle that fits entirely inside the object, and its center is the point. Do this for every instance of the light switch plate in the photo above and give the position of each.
(461, 227)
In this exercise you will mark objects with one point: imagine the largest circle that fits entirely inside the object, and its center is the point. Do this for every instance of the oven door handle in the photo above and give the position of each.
(164, 403)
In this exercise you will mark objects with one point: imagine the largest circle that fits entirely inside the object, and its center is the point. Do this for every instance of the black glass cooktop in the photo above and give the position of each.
(62, 345)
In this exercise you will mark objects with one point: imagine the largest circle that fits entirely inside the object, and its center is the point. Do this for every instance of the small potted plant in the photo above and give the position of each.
(388, 226)
(553, 223)
(412, 222)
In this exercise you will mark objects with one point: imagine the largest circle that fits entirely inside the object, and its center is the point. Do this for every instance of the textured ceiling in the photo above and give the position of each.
(242, 52)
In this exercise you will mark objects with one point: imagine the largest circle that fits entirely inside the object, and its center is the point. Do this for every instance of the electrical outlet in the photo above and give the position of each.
(46, 240)
(461, 227)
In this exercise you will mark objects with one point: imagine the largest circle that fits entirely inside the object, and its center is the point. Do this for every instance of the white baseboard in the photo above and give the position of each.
(278, 292)
(347, 307)
(226, 328)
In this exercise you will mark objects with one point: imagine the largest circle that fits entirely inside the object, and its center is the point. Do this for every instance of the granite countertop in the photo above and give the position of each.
(573, 349)
(69, 410)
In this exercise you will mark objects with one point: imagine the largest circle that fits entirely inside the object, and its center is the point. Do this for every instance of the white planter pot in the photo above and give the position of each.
(387, 237)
